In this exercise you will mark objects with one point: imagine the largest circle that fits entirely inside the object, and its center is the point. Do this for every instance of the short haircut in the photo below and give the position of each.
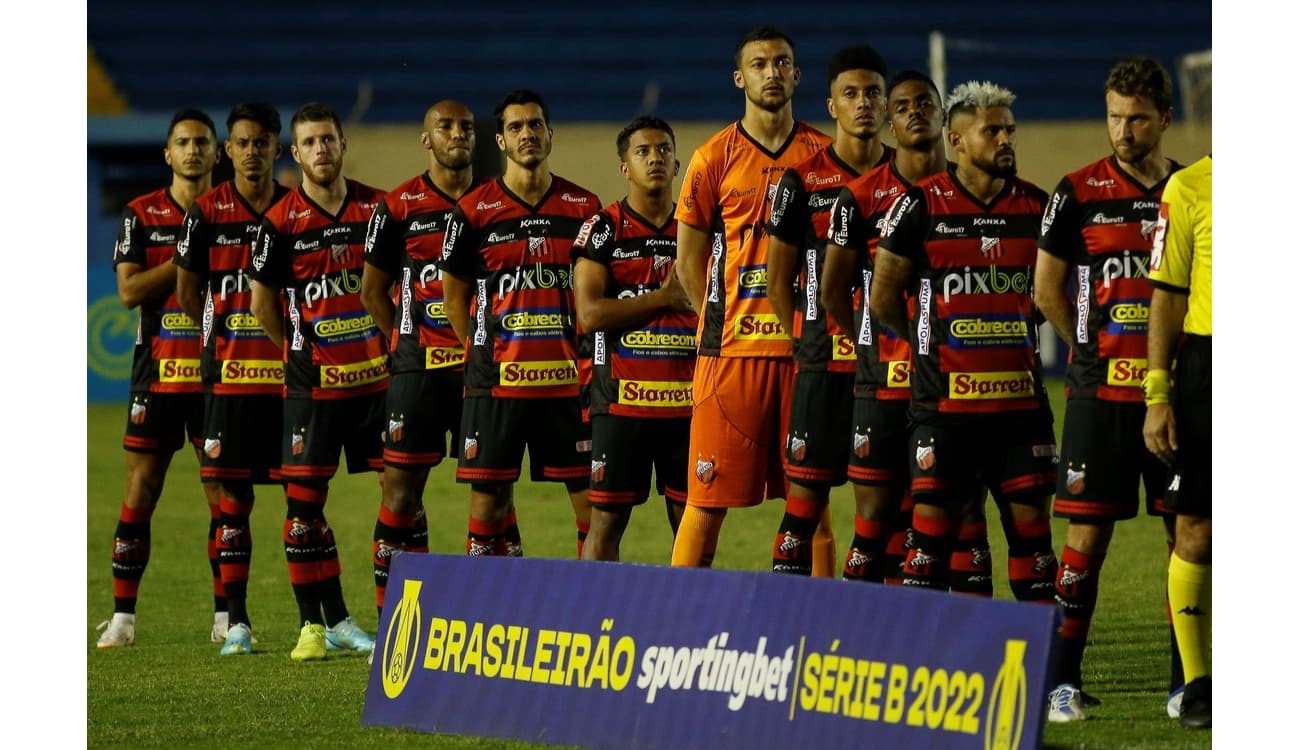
(315, 112)
(259, 112)
(903, 76)
(1144, 77)
(762, 34)
(641, 123)
(519, 96)
(856, 58)
(973, 95)
(191, 114)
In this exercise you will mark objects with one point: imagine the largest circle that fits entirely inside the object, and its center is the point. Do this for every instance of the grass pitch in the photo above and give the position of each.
(173, 689)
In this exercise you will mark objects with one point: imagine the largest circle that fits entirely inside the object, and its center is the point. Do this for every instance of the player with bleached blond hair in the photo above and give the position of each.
(962, 245)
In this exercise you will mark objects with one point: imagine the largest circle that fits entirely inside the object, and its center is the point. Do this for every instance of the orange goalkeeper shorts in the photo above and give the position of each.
(742, 408)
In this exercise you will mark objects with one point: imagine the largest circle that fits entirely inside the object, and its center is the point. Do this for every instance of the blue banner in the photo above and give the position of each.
(620, 656)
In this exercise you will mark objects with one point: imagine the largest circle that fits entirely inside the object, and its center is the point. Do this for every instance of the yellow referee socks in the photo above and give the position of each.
(1189, 601)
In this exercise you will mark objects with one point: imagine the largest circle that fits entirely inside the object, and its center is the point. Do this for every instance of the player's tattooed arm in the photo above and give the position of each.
(887, 288)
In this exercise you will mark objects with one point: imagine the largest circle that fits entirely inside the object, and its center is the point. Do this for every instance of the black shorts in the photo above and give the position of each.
(316, 430)
(1103, 459)
(241, 438)
(1014, 455)
(495, 431)
(878, 448)
(422, 408)
(817, 438)
(623, 450)
(158, 423)
(1190, 481)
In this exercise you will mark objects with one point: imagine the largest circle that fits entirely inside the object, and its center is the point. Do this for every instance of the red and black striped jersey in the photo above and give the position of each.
(1101, 221)
(801, 216)
(857, 218)
(645, 371)
(972, 325)
(217, 245)
(405, 241)
(332, 348)
(166, 356)
(522, 320)
(727, 191)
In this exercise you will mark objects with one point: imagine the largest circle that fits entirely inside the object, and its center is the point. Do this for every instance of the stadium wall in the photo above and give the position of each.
(385, 155)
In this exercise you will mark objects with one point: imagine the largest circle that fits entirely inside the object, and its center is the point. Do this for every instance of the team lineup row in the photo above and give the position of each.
(812, 309)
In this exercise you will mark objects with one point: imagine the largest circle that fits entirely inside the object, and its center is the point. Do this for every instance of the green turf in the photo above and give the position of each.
(173, 690)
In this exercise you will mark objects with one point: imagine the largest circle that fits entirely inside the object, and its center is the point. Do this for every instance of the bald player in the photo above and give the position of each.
(401, 288)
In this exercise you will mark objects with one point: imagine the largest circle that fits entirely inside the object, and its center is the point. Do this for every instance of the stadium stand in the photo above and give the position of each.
(607, 62)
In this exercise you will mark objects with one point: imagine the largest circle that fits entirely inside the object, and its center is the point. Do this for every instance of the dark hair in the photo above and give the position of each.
(856, 58)
(191, 114)
(762, 34)
(641, 123)
(519, 96)
(315, 112)
(903, 76)
(259, 112)
(1145, 77)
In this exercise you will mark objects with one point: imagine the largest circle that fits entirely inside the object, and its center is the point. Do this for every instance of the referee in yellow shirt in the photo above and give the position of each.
(1177, 427)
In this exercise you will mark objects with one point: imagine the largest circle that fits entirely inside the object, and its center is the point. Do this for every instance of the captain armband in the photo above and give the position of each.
(1156, 386)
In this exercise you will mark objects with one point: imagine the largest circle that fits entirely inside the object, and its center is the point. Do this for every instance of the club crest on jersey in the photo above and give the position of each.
(396, 429)
(661, 261)
(212, 448)
(470, 451)
(1074, 480)
(338, 250)
(535, 244)
(704, 470)
(925, 457)
(1148, 226)
(597, 471)
(798, 448)
(297, 445)
(861, 445)
(991, 247)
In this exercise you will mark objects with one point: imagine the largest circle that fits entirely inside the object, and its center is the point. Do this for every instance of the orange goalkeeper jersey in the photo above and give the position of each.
(727, 191)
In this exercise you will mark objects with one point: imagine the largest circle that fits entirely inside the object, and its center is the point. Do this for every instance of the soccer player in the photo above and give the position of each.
(508, 246)
(643, 326)
(962, 243)
(1095, 239)
(877, 464)
(307, 265)
(1178, 418)
(817, 441)
(166, 390)
(744, 374)
(243, 375)
(403, 245)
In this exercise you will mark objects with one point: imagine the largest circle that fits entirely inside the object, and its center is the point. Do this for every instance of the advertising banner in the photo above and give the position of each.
(621, 656)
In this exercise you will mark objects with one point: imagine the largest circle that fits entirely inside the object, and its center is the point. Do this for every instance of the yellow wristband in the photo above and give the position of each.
(1155, 387)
